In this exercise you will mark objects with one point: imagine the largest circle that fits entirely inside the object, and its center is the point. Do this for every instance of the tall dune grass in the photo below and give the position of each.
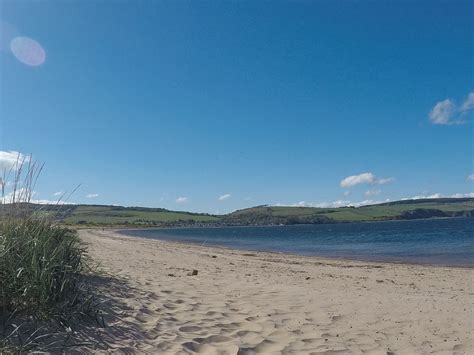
(42, 266)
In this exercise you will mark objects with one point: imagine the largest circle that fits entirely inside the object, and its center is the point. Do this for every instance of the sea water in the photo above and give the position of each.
(431, 241)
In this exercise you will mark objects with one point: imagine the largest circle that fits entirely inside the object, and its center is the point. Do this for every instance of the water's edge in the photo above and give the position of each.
(362, 249)
(277, 253)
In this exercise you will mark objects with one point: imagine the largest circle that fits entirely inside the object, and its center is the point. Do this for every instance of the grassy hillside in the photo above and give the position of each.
(86, 214)
(410, 209)
(117, 215)
(91, 215)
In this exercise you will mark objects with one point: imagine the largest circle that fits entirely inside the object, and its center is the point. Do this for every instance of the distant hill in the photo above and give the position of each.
(406, 209)
(100, 215)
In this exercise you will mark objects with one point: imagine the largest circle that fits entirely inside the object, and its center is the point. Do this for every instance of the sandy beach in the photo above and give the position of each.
(171, 298)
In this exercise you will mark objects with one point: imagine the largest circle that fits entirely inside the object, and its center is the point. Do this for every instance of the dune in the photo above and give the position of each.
(175, 298)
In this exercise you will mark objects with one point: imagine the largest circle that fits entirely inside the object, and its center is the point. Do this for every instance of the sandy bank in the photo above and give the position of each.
(248, 302)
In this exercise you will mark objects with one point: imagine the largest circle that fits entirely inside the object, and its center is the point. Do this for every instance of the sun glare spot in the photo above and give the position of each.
(28, 51)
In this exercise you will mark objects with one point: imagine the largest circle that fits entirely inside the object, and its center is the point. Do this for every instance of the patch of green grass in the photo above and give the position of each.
(385, 211)
(42, 268)
(114, 215)
(43, 290)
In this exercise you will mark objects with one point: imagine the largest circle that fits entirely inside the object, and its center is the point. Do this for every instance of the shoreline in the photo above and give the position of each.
(318, 257)
(185, 298)
(212, 225)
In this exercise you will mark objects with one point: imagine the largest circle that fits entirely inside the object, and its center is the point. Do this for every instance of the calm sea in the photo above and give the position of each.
(435, 241)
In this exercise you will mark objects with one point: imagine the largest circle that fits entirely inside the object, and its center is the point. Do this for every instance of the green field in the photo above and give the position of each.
(409, 209)
(90, 215)
(99, 215)
(85, 214)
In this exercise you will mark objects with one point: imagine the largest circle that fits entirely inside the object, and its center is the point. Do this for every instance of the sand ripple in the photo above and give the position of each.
(270, 304)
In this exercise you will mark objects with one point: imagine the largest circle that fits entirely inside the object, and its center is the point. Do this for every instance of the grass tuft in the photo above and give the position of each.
(40, 265)
(43, 267)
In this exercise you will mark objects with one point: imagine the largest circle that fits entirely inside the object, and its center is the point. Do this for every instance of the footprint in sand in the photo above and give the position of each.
(190, 329)
(212, 339)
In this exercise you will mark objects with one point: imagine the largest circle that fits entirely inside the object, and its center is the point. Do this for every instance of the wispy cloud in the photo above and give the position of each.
(297, 204)
(302, 204)
(18, 195)
(333, 204)
(182, 200)
(92, 195)
(443, 112)
(364, 178)
(51, 202)
(369, 202)
(438, 195)
(470, 177)
(373, 192)
(458, 195)
(26, 195)
(12, 160)
(420, 197)
(468, 103)
(224, 197)
(57, 194)
(446, 112)
(346, 203)
(384, 181)
(353, 180)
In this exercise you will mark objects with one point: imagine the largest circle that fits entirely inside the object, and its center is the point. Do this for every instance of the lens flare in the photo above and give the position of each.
(28, 51)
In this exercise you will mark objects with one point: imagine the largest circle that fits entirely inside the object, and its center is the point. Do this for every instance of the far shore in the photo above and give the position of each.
(214, 225)
(185, 298)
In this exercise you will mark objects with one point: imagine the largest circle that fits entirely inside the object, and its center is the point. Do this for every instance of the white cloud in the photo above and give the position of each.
(346, 193)
(468, 103)
(345, 203)
(458, 195)
(443, 112)
(470, 177)
(333, 204)
(438, 195)
(348, 203)
(51, 202)
(92, 195)
(224, 197)
(57, 194)
(446, 112)
(368, 202)
(364, 178)
(26, 195)
(353, 180)
(11, 160)
(181, 200)
(419, 197)
(19, 195)
(297, 204)
(384, 181)
(373, 192)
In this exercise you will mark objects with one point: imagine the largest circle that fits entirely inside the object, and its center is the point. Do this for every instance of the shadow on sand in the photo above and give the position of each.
(100, 329)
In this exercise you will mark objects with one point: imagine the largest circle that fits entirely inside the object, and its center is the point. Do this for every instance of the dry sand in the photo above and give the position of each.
(264, 303)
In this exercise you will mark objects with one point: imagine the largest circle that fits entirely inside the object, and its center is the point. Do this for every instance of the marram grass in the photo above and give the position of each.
(43, 289)
(40, 265)
(42, 268)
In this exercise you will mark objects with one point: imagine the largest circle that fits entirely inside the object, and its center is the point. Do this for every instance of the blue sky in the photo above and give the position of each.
(214, 106)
